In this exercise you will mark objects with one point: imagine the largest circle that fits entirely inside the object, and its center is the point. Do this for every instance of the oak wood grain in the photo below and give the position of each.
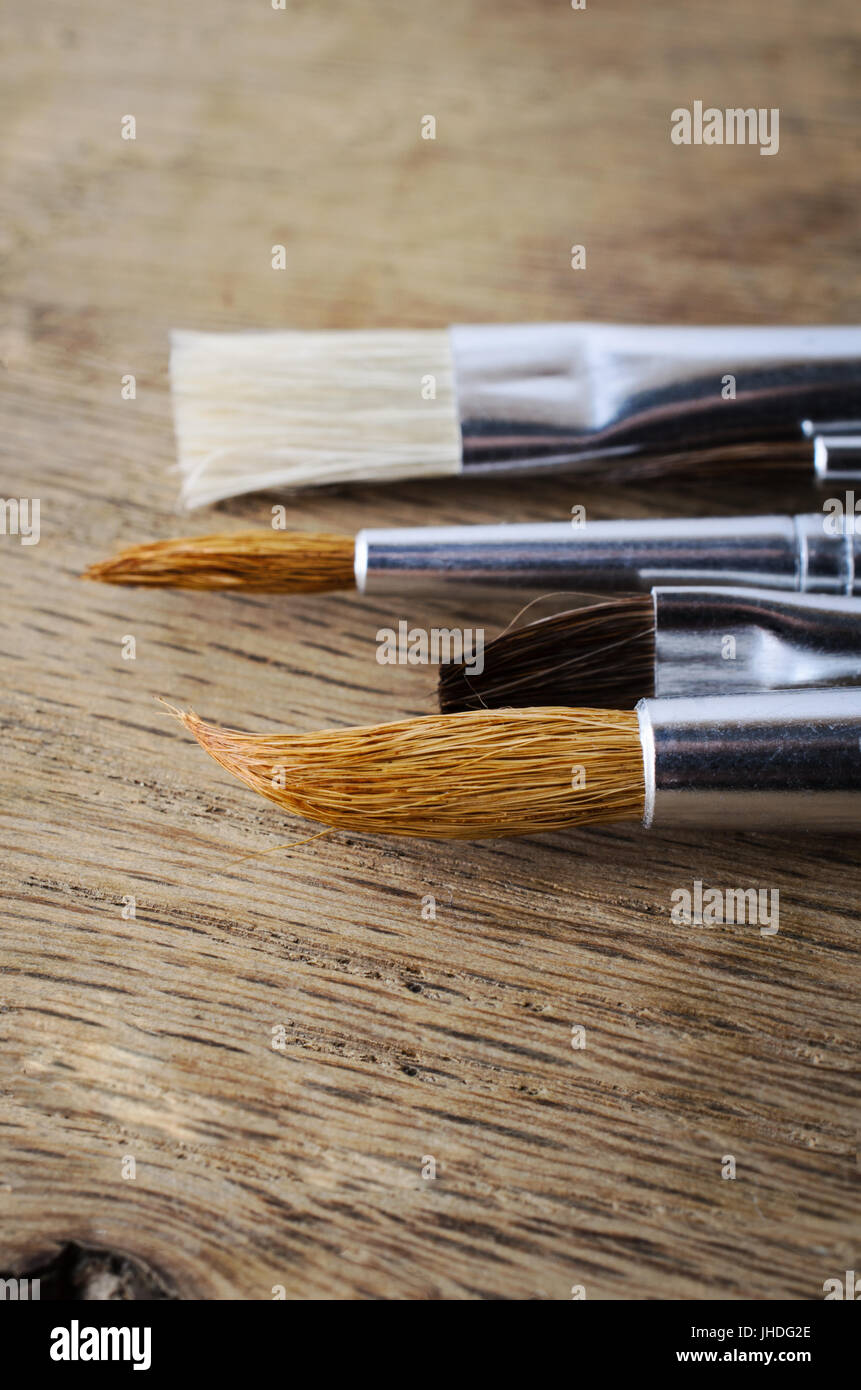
(404, 1038)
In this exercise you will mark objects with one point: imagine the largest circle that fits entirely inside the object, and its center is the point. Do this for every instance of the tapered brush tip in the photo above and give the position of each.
(290, 562)
(464, 776)
(600, 656)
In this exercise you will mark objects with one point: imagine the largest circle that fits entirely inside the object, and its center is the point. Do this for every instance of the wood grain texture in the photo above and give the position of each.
(404, 1038)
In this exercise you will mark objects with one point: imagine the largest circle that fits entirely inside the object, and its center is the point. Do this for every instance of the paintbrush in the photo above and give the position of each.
(811, 553)
(298, 409)
(674, 641)
(785, 760)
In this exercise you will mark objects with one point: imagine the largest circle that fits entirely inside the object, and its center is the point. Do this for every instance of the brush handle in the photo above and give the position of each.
(730, 640)
(785, 760)
(783, 552)
(558, 396)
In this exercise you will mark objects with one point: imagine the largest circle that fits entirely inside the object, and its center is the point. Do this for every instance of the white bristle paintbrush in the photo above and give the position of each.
(786, 760)
(299, 409)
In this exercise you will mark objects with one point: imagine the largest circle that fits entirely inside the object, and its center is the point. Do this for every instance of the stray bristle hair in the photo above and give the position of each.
(601, 656)
(447, 777)
(285, 562)
(297, 409)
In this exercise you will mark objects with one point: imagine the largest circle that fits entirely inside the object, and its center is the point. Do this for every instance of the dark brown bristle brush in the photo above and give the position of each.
(674, 641)
(604, 650)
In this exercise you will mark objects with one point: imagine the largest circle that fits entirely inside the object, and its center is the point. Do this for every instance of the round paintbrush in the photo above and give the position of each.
(809, 553)
(782, 760)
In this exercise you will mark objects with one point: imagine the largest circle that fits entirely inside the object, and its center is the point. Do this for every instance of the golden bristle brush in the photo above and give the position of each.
(292, 562)
(810, 553)
(677, 640)
(300, 409)
(758, 762)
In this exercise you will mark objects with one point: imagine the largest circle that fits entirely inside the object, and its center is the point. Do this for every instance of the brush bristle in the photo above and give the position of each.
(461, 776)
(601, 656)
(284, 562)
(275, 410)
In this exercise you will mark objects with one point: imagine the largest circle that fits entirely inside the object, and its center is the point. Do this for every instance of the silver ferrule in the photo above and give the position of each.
(563, 395)
(730, 640)
(753, 762)
(814, 553)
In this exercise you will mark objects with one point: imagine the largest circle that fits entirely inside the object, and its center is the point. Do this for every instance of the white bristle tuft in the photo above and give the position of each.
(295, 409)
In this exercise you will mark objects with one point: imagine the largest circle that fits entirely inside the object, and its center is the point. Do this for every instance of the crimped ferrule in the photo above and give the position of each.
(732, 640)
(559, 396)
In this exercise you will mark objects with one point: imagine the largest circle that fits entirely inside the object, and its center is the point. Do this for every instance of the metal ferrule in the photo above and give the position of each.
(731, 640)
(814, 553)
(562, 395)
(753, 762)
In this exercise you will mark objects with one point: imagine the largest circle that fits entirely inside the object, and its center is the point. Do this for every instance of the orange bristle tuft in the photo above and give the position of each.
(462, 776)
(288, 562)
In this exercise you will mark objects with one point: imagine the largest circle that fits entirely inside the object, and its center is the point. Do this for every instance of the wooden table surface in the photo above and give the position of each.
(404, 1039)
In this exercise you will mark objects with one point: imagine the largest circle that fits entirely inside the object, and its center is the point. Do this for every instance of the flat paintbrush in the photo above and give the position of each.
(298, 409)
(673, 641)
